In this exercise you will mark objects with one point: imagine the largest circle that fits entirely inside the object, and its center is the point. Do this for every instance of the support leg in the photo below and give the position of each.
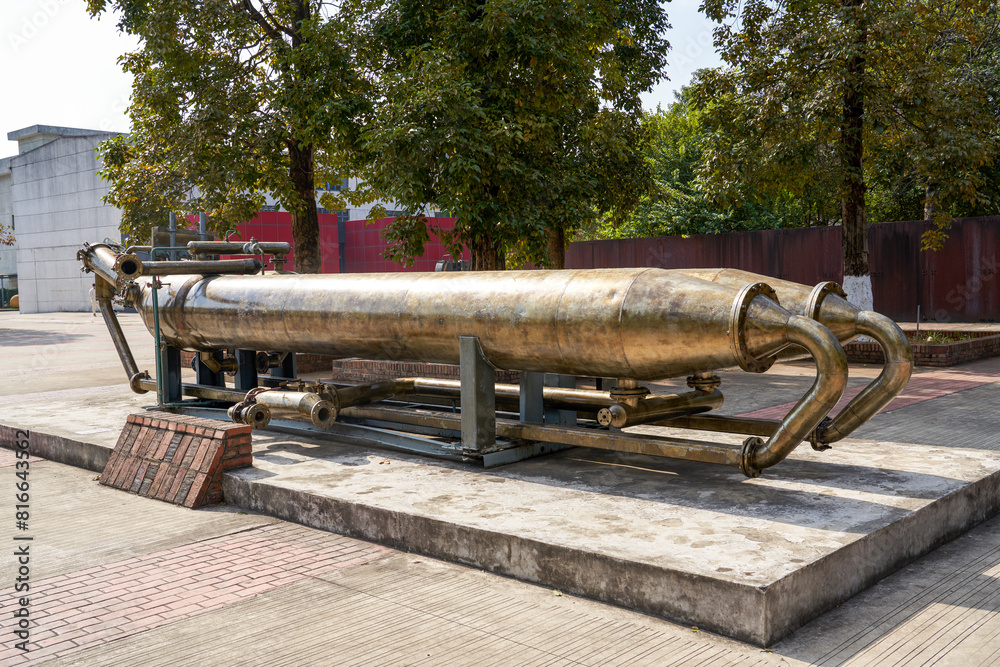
(532, 410)
(246, 370)
(170, 366)
(287, 369)
(560, 417)
(479, 419)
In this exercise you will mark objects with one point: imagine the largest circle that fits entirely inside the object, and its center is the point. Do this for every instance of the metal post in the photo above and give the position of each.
(560, 417)
(532, 408)
(173, 235)
(246, 370)
(479, 417)
(202, 227)
(170, 366)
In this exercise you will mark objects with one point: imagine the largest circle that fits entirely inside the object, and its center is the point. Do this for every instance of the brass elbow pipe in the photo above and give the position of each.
(826, 303)
(889, 383)
(826, 390)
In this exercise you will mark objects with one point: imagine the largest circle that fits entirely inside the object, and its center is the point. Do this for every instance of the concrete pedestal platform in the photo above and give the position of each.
(700, 544)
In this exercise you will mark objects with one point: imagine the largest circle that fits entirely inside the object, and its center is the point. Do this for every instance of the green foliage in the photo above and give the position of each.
(232, 102)
(518, 118)
(679, 202)
(928, 85)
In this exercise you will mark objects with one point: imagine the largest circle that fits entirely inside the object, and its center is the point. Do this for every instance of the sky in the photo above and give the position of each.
(59, 66)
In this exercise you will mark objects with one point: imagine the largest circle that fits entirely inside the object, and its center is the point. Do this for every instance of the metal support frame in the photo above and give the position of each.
(170, 368)
(246, 370)
(287, 370)
(479, 419)
(531, 397)
(205, 375)
(560, 417)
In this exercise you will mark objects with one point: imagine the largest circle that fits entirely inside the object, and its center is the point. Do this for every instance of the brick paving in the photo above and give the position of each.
(923, 386)
(85, 608)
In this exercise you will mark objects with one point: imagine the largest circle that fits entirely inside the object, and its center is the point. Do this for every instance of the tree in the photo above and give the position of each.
(850, 82)
(233, 101)
(521, 119)
(679, 203)
(6, 237)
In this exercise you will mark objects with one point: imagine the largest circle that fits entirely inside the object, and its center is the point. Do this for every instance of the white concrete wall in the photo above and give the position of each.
(56, 199)
(8, 254)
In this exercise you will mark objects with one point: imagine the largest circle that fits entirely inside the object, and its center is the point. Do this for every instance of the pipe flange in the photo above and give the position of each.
(255, 415)
(817, 437)
(128, 267)
(750, 446)
(737, 327)
(704, 383)
(820, 292)
(135, 382)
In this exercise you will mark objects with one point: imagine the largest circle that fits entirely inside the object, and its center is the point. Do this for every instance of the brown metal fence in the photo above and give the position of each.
(959, 283)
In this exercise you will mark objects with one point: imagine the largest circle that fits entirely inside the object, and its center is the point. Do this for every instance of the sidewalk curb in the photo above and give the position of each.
(57, 448)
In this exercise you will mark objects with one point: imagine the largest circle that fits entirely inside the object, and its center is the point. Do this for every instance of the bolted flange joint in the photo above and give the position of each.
(750, 446)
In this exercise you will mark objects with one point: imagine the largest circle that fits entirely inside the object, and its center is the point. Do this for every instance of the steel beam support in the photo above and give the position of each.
(560, 417)
(287, 370)
(170, 366)
(531, 397)
(246, 370)
(479, 420)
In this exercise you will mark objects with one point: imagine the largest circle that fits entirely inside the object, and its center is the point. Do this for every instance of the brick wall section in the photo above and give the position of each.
(176, 458)
(932, 354)
(368, 370)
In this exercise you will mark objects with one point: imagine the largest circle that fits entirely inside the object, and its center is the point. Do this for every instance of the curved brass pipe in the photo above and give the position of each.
(889, 383)
(826, 390)
(826, 304)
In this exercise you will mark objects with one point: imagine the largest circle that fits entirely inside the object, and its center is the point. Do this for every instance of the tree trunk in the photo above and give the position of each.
(305, 218)
(855, 220)
(486, 254)
(930, 200)
(557, 247)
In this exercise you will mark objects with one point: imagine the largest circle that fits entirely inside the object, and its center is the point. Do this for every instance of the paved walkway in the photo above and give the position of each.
(121, 580)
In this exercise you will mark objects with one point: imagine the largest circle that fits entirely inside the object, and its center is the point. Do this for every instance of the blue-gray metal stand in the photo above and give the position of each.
(560, 417)
(478, 377)
(246, 370)
(532, 408)
(170, 367)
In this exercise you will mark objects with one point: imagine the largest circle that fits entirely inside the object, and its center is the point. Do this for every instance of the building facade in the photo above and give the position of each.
(54, 196)
(50, 194)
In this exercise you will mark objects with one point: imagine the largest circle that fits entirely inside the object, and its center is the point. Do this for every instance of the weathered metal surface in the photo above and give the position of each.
(633, 324)
(825, 303)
